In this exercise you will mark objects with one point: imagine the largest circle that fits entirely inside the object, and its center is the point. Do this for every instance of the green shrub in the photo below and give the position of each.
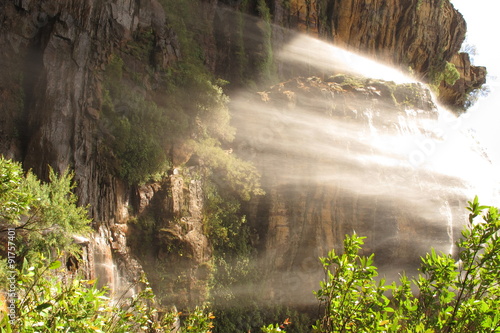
(266, 63)
(450, 296)
(45, 215)
(229, 171)
(14, 200)
(225, 225)
(450, 74)
(140, 131)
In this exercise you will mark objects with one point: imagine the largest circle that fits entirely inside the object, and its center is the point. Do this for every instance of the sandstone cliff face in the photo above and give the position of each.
(59, 50)
(52, 60)
(328, 153)
(420, 34)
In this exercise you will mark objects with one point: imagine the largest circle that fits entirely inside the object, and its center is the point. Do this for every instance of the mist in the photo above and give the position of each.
(410, 166)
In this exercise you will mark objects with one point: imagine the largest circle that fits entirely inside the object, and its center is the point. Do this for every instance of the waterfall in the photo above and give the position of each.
(104, 265)
(105, 268)
(345, 153)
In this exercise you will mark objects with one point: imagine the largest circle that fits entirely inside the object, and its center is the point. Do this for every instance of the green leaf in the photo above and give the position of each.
(55, 265)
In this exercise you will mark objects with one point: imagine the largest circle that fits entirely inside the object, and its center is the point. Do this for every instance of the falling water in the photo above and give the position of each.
(105, 269)
(305, 50)
(400, 176)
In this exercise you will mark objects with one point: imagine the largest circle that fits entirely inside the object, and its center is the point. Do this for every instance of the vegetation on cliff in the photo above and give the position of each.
(149, 110)
(44, 216)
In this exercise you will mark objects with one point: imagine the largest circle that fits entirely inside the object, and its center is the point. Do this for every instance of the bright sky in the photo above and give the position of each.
(483, 28)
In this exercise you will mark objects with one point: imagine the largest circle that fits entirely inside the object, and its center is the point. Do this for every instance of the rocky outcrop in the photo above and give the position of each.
(168, 238)
(472, 78)
(57, 52)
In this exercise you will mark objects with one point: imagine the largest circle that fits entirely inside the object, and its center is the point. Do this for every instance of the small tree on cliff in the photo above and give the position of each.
(452, 295)
(45, 216)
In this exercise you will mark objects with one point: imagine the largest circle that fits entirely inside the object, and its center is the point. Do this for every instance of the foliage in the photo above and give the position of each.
(199, 321)
(142, 45)
(449, 74)
(54, 216)
(353, 300)
(186, 101)
(50, 301)
(224, 223)
(48, 298)
(14, 201)
(190, 25)
(45, 215)
(139, 128)
(254, 316)
(419, 4)
(451, 296)
(192, 87)
(228, 170)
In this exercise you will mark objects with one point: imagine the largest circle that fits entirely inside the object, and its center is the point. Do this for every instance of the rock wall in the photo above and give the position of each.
(169, 239)
(58, 50)
(52, 58)
(472, 78)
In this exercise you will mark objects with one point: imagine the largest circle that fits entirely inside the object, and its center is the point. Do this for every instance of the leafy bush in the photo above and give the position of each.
(140, 129)
(224, 223)
(45, 215)
(46, 296)
(449, 74)
(228, 170)
(451, 295)
(14, 200)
